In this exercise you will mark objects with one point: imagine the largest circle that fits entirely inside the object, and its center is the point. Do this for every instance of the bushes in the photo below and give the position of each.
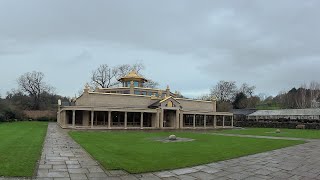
(8, 115)
(278, 124)
(46, 119)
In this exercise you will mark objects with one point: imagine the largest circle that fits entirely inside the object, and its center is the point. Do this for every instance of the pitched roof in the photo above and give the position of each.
(170, 97)
(243, 111)
(287, 112)
(157, 103)
(132, 75)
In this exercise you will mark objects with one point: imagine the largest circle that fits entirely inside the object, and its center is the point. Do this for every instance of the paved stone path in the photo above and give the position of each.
(263, 137)
(62, 158)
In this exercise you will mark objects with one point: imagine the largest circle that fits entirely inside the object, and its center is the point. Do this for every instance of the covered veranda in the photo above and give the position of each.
(101, 118)
(196, 120)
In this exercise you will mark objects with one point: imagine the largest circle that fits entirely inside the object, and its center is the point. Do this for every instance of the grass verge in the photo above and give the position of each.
(137, 152)
(20, 147)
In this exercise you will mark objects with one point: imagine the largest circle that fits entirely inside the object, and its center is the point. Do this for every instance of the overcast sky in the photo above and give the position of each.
(189, 45)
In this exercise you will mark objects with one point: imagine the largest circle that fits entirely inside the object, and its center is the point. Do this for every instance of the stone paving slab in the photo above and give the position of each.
(63, 158)
(262, 137)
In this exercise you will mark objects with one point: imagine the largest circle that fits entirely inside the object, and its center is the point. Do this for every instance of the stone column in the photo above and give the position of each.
(73, 118)
(157, 119)
(131, 87)
(58, 118)
(161, 118)
(96, 120)
(194, 121)
(125, 120)
(223, 118)
(92, 118)
(177, 119)
(141, 120)
(109, 119)
(181, 119)
(205, 121)
(86, 118)
(232, 121)
(64, 118)
(215, 121)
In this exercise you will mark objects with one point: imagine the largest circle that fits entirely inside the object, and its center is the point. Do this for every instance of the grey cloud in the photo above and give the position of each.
(259, 42)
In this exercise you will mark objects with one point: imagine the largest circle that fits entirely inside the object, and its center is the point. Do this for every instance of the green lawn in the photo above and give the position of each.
(20, 147)
(136, 152)
(296, 133)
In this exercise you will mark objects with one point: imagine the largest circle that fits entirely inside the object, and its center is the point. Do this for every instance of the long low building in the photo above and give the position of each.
(285, 114)
(134, 107)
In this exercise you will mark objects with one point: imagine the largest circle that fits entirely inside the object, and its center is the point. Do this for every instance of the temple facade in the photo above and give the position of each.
(133, 106)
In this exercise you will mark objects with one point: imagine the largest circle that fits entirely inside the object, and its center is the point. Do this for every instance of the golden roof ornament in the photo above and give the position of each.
(133, 75)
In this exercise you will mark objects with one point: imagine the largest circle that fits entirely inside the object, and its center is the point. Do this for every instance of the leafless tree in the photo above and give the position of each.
(33, 84)
(205, 97)
(224, 91)
(179, 95)
(301, 97)
(314, 92)
(104, 76)
(138, 67)
(151, 84)
(124, 69)
(262, 96)
(247, 90)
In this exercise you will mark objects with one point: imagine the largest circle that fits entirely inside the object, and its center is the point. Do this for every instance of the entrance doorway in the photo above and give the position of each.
(169, 118)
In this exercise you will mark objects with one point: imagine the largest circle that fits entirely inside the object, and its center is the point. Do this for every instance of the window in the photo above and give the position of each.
(188, 120)
(126, 84)
(199, 120)
(137, 92)
(136, 84)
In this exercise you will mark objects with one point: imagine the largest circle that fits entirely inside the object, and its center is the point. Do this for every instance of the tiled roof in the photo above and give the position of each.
(287, 112)
(133, 75)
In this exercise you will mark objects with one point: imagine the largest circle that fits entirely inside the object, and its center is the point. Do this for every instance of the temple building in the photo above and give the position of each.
(133, 106)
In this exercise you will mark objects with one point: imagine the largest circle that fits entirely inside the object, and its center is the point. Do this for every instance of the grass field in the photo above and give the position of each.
(137, 152)
(296, 133)
(20, 147)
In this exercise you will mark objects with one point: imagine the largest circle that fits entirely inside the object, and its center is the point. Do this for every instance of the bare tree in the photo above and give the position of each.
(151, 84)
(138, 67)
(314, 92)
(224, 91)
(301, 97)
(247, 90)
(205, 97)
(126, 68)
(33, 84)
(179, 95)
(123, 70)
(104, 76)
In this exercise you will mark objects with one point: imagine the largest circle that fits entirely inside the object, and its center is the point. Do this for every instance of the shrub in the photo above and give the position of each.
(2, 117)
(47, 119)
(8, 114)
(277, 124)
